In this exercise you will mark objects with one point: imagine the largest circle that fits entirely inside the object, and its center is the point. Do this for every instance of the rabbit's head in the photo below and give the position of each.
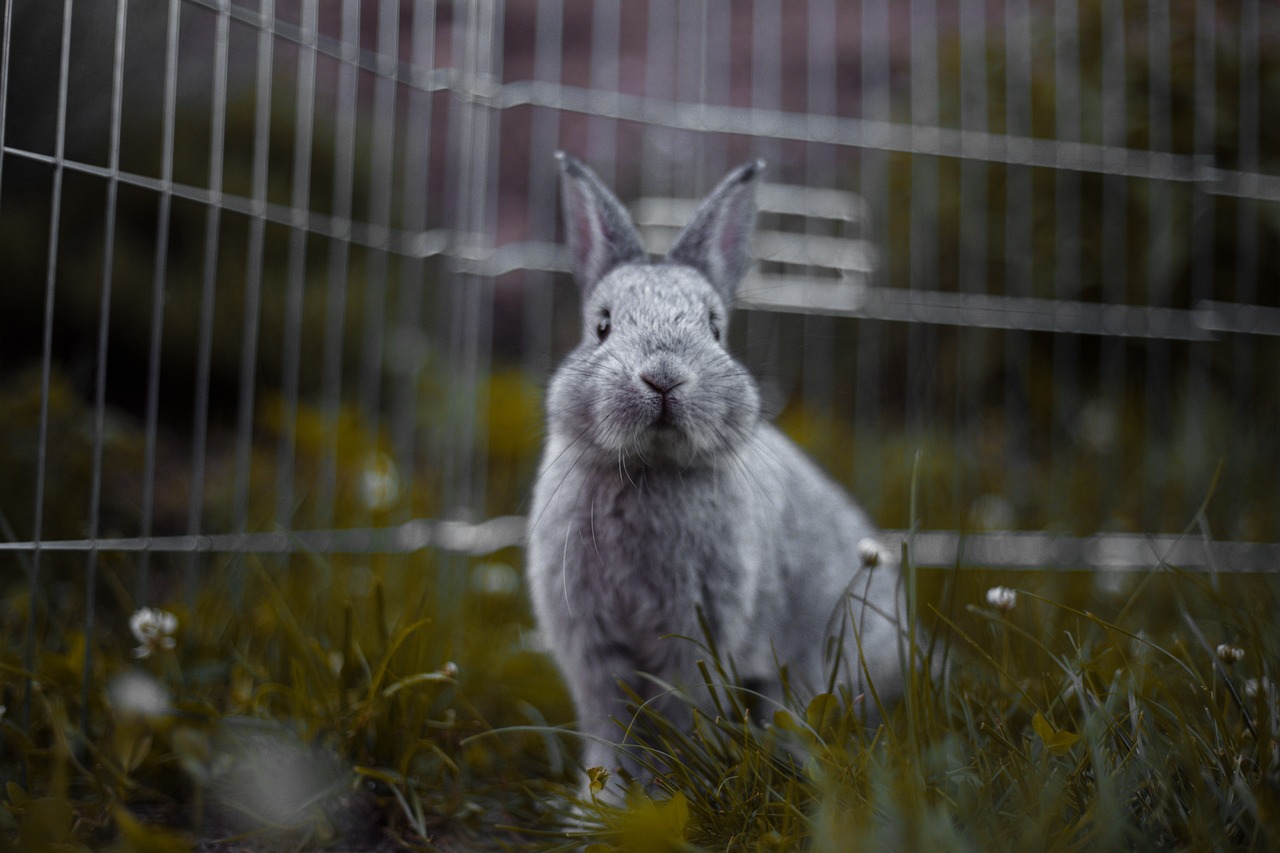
(652, 381)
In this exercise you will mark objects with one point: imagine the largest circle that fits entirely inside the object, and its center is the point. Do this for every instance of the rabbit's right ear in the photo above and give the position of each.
(597, 226)
(717, 242)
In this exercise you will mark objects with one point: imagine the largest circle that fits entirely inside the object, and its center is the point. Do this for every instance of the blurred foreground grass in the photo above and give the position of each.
(321, 709)
(320, 705)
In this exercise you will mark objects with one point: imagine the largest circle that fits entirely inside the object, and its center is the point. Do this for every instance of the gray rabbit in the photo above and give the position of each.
(662, 492)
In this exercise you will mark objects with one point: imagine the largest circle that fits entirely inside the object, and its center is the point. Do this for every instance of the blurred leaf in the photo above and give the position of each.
(1057, 741)
(46, 825)
(132, 742)
(647, 825)
(822, 713)
(785, 721)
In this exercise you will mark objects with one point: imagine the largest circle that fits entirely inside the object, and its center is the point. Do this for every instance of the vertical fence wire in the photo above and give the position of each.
(974, 247)
(338, 266)
(485, 222)
(544, 137)
(100, 367)
(470, 306)
(659, 84)
(713, 85)
(765, 94)
(208, 286)
(1160, 246)
(1018, 236)
(456, 397)
(874, 103)
(381, 172)
(602, 131)
(6, 36)
(1246, 280)
(692, 45)
(295, 273)
(159, 280)
(46, 359)
(1108, 410)
(1202, 242)
(254, 259)
(409, 350)
(701, 52)
(1067, 267)
(923, 258)
(473, 306)
(821, 86)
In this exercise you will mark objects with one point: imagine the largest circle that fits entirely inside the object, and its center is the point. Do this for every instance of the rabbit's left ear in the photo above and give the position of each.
(717, 242)
(597, 227)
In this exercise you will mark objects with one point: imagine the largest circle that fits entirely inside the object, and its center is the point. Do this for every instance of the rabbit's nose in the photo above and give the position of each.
(662, 382)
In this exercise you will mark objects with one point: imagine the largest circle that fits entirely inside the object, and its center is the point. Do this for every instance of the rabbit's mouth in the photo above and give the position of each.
(665, 420)
(666, 434)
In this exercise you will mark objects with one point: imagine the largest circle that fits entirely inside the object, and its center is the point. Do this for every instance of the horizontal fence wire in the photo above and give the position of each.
(912, 138)
(930, 549)
(979, 146)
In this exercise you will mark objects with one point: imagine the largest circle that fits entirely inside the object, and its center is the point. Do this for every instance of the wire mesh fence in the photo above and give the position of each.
(283, 277)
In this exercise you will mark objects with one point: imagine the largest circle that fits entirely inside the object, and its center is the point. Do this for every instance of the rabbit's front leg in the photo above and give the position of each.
(605, 686)
(604, 718)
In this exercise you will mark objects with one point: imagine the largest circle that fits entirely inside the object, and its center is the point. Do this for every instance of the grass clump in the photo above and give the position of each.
(317, 708)
(1089, 720)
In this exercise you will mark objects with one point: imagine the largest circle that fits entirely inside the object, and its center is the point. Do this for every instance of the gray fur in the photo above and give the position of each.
(662, 491)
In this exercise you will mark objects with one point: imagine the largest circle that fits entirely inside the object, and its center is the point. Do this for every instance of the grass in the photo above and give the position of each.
(404, 702)
(323, 710)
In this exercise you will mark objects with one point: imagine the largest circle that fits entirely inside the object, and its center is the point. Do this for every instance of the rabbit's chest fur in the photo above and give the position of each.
(616, 557)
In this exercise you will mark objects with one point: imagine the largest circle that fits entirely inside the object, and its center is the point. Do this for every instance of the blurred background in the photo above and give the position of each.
(278, 269)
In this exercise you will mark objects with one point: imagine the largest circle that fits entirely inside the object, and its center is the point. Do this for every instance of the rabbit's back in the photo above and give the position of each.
(819, 540)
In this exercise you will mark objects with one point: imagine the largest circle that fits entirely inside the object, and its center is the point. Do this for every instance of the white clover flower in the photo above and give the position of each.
(1002, 598)
(1230, 653)
(871, 553)
(153, 629)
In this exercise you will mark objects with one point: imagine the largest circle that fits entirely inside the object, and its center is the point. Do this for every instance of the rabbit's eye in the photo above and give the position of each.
(715, 327)
(602, 328)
